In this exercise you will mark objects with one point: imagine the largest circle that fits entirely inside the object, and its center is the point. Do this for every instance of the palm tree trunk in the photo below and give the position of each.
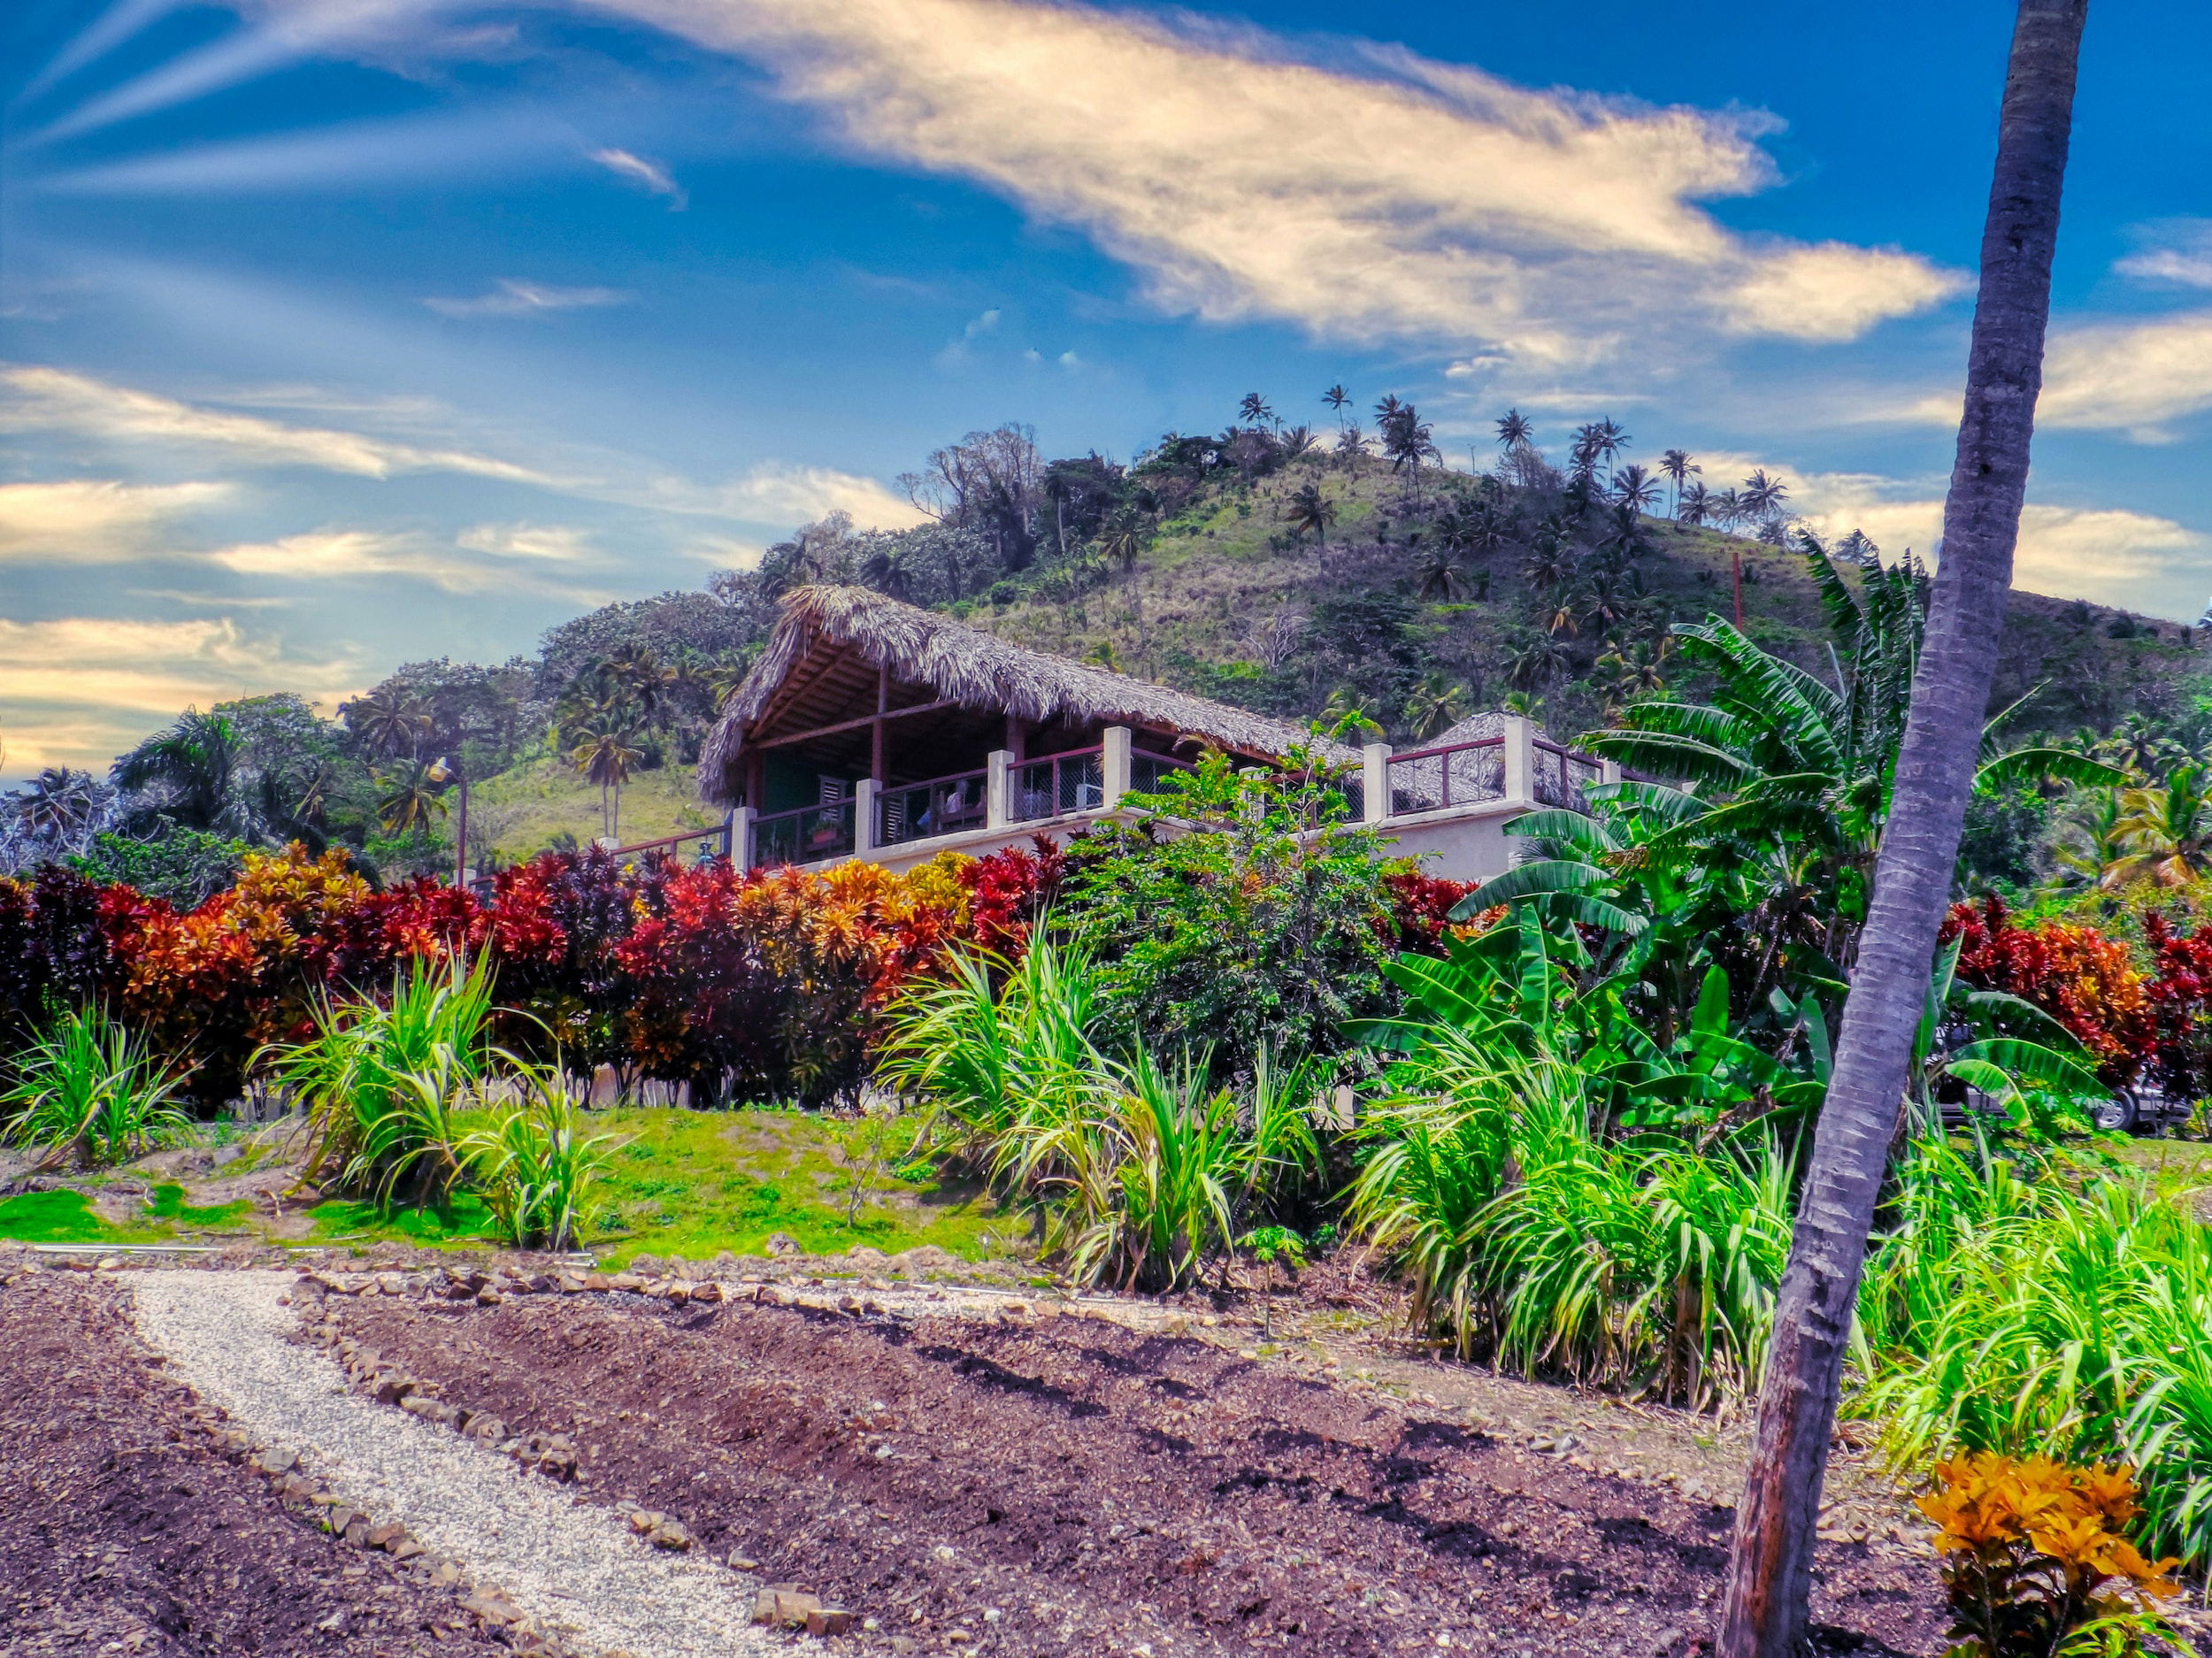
(1769, 1571)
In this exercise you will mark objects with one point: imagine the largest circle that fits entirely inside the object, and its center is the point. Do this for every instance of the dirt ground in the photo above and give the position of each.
(122, 1529)
(1057, 1486)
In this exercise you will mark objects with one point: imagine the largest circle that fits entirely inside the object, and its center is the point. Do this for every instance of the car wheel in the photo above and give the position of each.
(2116, 1114)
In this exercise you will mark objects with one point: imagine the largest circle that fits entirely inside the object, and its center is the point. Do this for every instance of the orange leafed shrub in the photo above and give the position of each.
(2035, 1549)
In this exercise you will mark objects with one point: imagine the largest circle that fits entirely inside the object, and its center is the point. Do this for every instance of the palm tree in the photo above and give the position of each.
(1309, 509)
(2165, 834)
(1632, 674)
(1767, 1604)
(1634, 488)
(885, 570)
(1762, 496)
(1348, 713)
(1409, 441)
(1123, 538)
(1297, 441)
(1337, 397)
(1541, 660)
(1437, 702)
(1680, 469)
(60, 803)
(1562, 612)
(410, 799)
(1351, 446)
(193, 772)
(1436, 573)
(390, 720)
(1514, 430)
(1723, 507)
(1254, 409)
(604, 755)
(1609, 440)
(1552, 562)
(1693, 505)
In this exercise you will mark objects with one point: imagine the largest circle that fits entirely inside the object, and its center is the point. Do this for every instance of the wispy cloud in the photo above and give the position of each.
(2133, 376)
(655, 177)
(81, 688)
(34, 398)
(485, 560)
(777, 493)
(2174, 251)
(1386, 195)
(93, 521)
(511, 298)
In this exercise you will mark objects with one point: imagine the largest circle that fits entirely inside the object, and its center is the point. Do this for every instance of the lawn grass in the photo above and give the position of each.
(59, 1216)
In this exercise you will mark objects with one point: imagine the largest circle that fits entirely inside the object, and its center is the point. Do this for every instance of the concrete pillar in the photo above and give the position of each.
(1374, 778)
(1520, 758)
(1608, 770)
(1114, 765)
(998, 788)
(865, 816)
(741, 837)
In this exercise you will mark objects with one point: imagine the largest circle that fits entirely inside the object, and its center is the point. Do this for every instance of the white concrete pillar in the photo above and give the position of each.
(1115, 766)
(1374, 780)
(998, 788)
(741, 837)
(1609, 772)
(1520, 758)
(865, 816)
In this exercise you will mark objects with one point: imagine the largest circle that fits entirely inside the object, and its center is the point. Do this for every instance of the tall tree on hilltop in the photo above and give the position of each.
(1254, 409)
(1310, 510)
(1762, 496)
(1771, 1568)
(1635, 489)
(1337, 397)
(1514, 430)
(1680, 469)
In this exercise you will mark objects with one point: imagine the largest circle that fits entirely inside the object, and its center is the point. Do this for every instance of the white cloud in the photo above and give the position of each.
(34, 398)
(777, 493)
(1394, 197)
(485, 559)
(651, 175)
(92, 520)
(2177, 251)
(2133, 376)
(79, 689)
(2110, 554)
(511, 298)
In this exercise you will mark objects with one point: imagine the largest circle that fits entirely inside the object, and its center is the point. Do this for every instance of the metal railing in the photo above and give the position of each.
(713, 842)
(1560, 776)
(1429, 779)
(1146, 770)
(942, 806)
(804, 836)
(1056, 785)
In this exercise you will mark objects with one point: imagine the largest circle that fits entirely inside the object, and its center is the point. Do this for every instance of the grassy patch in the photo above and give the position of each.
(525, 809)
(58, 1216)
(696, 1183)
(167, 1203)
(464, 1220)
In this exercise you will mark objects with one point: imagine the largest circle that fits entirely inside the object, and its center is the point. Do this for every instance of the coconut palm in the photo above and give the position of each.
(1680, 469)
(193, 772)
(1693, 505)
(1552, 561)
(1634, 488)
(1514, 430)
(410, 798)
(1724, 507)
(1767, 1604)
(1761, 495)
(1307, 508)
(1437, 577)
(1255, 410)
(1348, 713)
(390, 720)
(1408, 440)
(605, 754)
(61, 803)
(1337, 397)
(1541, 660)
(1561, 612)
(2164, 834)
(1632, 674)
(1122, 540)
(1351, 447)
(1437, 702)
(1297, 442)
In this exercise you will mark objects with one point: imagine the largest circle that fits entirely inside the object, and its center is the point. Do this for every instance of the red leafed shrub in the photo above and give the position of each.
(1421, 909)
(2081, 977)
(2181, 998)
(1008, 890)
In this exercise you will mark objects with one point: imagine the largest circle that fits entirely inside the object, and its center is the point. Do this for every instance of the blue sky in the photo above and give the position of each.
(341, 332)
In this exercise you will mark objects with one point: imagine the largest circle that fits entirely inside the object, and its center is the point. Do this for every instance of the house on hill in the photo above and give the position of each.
(873, 729)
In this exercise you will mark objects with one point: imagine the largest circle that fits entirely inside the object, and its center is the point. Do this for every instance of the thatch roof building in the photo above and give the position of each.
(855, 684)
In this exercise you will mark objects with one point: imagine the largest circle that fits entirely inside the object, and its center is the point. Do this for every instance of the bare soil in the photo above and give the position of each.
(1064, 1485)
(123, 1529)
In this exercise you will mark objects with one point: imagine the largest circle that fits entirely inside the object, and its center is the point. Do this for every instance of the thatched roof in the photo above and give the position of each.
(979, 671)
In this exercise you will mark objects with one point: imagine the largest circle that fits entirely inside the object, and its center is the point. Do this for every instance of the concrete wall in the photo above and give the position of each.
(1469, 844)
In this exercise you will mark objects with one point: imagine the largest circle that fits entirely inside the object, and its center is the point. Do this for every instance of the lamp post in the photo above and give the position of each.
(446, 769)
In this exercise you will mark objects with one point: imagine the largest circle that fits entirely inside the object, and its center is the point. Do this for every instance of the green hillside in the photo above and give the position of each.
(540, 802)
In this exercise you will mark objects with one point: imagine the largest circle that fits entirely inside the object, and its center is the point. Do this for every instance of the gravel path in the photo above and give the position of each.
(574, 1567)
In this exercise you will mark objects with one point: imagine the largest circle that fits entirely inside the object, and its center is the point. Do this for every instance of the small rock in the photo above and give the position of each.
(489, 1297)
(670, 1535)
(782, 1244)
(782, 1606)
(643, 1520)
(743, 1562)
(485, 1429)
(278, 1461)
(385, 1535)
(340, 1517)
(828, 1620)
(492, 1610)
(357, 1533)
(406, 1548)
(709, 1291)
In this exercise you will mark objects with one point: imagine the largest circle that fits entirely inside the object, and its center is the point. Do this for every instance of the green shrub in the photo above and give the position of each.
(89, 1093)
(535, 1168)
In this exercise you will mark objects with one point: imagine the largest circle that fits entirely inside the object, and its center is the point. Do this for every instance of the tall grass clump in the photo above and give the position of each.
(2065, 1313)
(535, 1166)
(1531, 1242)
(1140, 1170)
(88, 1092)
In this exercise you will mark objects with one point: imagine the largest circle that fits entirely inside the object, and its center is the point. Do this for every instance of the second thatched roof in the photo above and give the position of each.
(978, 670)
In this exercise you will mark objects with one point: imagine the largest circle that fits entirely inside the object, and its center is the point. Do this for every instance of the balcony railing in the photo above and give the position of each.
(804, 836)
(1429, 779)
(1559, 777)
(1056, 785)
(942, 806)
(1147, 772)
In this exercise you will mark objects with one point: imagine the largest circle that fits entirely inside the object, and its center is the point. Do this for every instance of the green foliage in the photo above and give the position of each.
(1142, 1170)
(167, 1203)
(535, 1167)
(382, 1082)
(87, 1094)
(1260, 925)
(59, 1216)
(185, 866)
